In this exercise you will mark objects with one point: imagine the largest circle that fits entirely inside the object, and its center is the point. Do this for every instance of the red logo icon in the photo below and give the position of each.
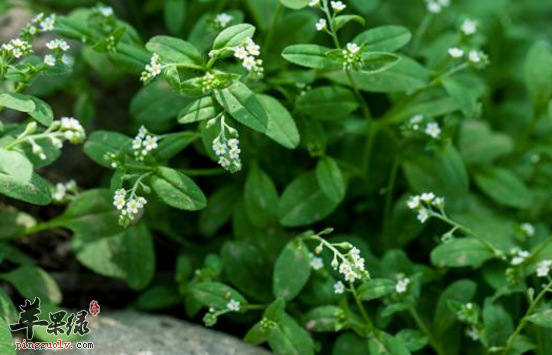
(94, 308)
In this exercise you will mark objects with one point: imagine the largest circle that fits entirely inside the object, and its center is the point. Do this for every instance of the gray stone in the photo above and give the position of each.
(131, 333)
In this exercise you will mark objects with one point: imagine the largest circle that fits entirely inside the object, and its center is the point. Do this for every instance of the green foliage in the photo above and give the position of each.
(219, 131)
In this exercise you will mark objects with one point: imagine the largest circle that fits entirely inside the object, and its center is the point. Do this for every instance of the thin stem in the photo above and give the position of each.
(511, 340)
(364, 107)
(203, 172)
(39, 227)
(389, 194)
(420, 323)
(373, 129)
(361, 308)
(420, 32)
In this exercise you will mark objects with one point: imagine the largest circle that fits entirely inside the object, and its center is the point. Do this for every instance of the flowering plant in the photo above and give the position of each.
(222, 139)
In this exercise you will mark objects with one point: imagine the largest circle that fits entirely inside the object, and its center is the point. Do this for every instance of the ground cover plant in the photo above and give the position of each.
(318, 177)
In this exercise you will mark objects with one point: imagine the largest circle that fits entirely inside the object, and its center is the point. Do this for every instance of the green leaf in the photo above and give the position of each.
(218, 211)
(542, 318)
(216, 294)
(330, 179)
(412, 339)
(461, 252)
(175, 50)
(498, 324)
(14, 222)
(350, 344)
(386, 344)
(175, 15)
(342, 20)
(303, 202)
(325, 319)
(374, 62)
(116, 255)
(242, 104)
(479, 145)
(247, 269)
(156, 105)
(177, 190)
(172, 144)
(158, 297)
(35, 107)
(384, 38)
(538, 73)
(281, 127)
(462, 95)
(16, 165)
(292, 270)
(405, 75)
(100, 143)
(233, 36)
(36, 191)
(442, 173)
(504, 187)
(327, 103)
(295, 4)
(6, 340)
(33, 282)
(375, 288)
(260, 198)
(310, 56)
(289, 338)
(257, 334)
(461, 291)
(199, 110)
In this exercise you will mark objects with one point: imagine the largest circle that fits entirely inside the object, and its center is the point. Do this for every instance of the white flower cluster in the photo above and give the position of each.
(436, 6)
(352, 58)
(528, 229)
(66, 129)
(64, 192)
(248, 52)
(16, 48)
(223, 19)
(518, 256)
(152, 69)
(316, 262)
(337, 6)
(128, 208)
(143, 143)
(402, 284)
(58, 47)
(419, 123)
(474, 56)
(543, 268)
(72, 131)
(469, 27)
(233, 305)
(209, 82)
(352, 265)
(321, 25)
(227, 150)
(40, 23)
(424, 205)
(105, 11)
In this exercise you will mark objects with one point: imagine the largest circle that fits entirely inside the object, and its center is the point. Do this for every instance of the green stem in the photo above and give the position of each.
(39, 227)
(421, 325)
(270, 33)
(364, 107)
(420, 32)
(373, 129)
(361, 309)
(203, 172)
(511, 340)
(389, 194)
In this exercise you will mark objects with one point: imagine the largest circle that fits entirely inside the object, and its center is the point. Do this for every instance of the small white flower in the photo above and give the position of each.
(456, 52)
(519, 256)
(66, 59)
(150, 143)
(528, 229)
(234, 153)
(249, 63)
(106, 11)
(416, 119)
(49, 60)
(233, 305)
(473, 333)
(433, 7)
(402, 285)
(314, 3)
(469, 27)
(316, 263)
(345, 267)
(444, 3)
(119, 202)
(253, 48)
(339, 288)
(433, 130)
(137, 143)
(17, 53)
(543, 268)
(240, 53)
(474, 56)
(423, 215)
(439, 202)
(321, 24)
(224, 162)
(48, 23)
(223, 19)
(233, 143)
(219, 148)
(414, 202)
(427, 197)
(132, 206)
(338, 6)
(353, 48)
(351, 276)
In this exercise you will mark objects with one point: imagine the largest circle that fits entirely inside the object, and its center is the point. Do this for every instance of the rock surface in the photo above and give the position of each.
(130, 333)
